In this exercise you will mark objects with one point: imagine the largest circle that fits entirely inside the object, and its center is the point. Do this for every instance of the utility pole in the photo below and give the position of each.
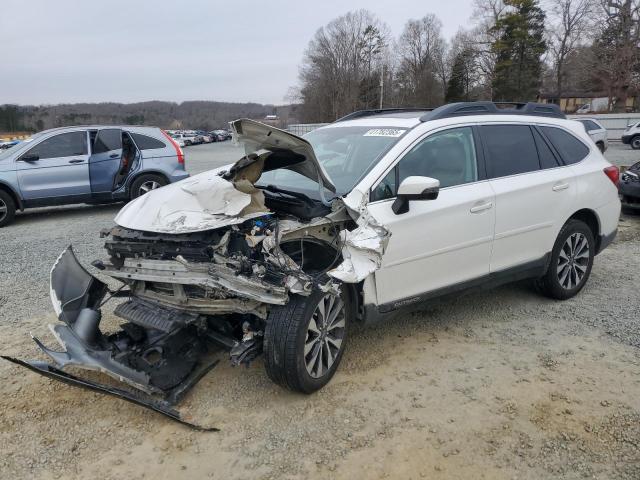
(381, 85)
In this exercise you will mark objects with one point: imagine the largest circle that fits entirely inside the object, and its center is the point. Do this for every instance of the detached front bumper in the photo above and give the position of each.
(77, 296)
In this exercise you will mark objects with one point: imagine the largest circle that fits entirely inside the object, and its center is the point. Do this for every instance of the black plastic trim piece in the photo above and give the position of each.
(162, 407)
(606, 240)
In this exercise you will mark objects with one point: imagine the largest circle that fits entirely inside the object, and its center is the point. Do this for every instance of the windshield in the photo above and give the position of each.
(346, 153)
(9, 152)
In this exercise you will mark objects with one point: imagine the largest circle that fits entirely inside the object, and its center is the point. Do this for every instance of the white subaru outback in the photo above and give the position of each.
(278, 253)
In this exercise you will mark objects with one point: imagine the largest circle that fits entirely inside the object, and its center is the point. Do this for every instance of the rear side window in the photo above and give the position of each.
(570, 148)
(108, 140)
(589, 125)
(64, 145)
(510, 150)
(145, 142)
(546, 155)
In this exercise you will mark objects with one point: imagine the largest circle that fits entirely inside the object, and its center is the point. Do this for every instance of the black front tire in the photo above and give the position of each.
(550, 284)
(284, 344)
(8, 210)
(600, 146)
(635, 142)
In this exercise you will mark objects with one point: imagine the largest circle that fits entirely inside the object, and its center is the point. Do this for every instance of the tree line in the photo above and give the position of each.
(512, 51)
(199, 115)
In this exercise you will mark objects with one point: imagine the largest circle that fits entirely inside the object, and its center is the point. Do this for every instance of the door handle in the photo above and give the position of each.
(76, 161)
(481, 208)
(114, 155)
(560, 186)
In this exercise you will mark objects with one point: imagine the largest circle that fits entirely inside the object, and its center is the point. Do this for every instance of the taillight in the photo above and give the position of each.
(613, 173)
(179, 151)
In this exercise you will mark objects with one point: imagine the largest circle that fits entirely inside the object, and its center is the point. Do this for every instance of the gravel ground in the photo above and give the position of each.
(500, 384)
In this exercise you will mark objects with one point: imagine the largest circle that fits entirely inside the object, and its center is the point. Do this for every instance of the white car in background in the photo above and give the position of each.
(179, 138)
(596, 131)
(631, 136)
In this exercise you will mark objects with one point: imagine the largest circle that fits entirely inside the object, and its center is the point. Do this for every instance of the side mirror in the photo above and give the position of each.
(29, 157)
(415, 188)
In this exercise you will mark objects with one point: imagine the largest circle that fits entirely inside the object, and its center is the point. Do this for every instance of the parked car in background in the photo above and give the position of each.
(179, 139)
(221, 135)
(8, 144)
(631, 136)
(629, 187)
(89, 164)
(596, 131)
(190, 139)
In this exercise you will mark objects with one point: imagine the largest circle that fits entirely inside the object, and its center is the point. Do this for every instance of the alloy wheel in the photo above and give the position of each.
(148, 186)
(3, 210)
(635, 143)
(573, 261)
(325, 335)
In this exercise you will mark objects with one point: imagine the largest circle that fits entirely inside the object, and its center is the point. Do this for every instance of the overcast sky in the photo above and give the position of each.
(59, 51)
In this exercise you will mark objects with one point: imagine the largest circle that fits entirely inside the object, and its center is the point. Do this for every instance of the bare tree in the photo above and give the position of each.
(486, 14)
(339, 66)
(570, 23)
(422, 69)
(617, 50)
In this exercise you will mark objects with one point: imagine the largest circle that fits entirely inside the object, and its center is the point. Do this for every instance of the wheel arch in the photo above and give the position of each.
(590, 217)
(14, 195)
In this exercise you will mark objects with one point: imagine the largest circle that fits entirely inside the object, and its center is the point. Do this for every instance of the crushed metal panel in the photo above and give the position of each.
(363, 247)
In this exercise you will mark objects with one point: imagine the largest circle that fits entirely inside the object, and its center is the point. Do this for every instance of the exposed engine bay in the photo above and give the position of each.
(200, 265)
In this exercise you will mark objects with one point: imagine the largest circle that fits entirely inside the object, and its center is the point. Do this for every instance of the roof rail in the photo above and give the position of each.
(369, 113)
(494, 108)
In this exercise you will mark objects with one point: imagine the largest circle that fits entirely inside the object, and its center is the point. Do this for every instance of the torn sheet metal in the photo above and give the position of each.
(363, 247)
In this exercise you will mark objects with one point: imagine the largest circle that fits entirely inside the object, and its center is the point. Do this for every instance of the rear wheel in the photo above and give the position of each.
(7, 209)
(635, 142)
(571, 261)
(600, 146)
(144, 184)
(304, 341)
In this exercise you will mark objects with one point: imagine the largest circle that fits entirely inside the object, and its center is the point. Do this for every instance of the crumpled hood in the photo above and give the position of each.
(256, 136)
(203, 202)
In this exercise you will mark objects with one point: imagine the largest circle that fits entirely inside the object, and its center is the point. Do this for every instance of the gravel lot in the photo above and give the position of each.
(498, 384)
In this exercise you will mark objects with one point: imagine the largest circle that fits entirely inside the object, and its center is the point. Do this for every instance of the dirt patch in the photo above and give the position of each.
(500, 384)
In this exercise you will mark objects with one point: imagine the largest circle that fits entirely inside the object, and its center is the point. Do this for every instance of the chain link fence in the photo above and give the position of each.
(300, 129)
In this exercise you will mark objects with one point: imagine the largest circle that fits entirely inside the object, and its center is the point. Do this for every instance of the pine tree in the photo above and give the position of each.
(459, 80)
(519, 49)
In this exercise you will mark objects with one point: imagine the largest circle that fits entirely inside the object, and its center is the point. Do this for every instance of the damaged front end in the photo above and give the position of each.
(200, 265)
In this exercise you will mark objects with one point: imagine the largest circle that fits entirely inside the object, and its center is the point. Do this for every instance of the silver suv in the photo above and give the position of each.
(88, 164)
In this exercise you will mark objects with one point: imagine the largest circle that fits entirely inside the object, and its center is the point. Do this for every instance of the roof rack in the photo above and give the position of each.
(494, 108)
(369, 113)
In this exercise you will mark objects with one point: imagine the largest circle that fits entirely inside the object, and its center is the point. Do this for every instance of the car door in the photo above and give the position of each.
(534, 194)
(54, 168)
(438, 243)
(105, 160)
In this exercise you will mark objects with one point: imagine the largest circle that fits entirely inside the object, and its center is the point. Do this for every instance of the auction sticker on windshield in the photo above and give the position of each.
(384, 132)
